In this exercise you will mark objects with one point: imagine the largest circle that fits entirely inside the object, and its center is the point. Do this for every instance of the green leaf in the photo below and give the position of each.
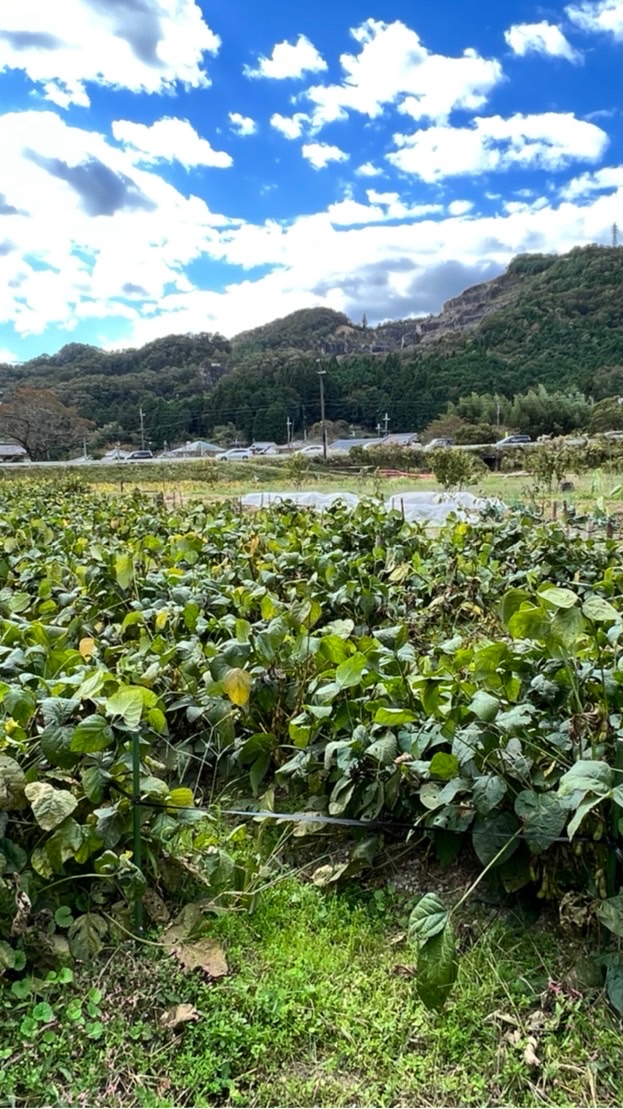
(428, 918)
(237, 686)
(94, 783)
(350, 672)
(614, 981)
(63, 918)
(341, 796)
(94, 733)
(182, 797)
(487, 792)
(124, 570)
(558, 598)
(444, 766)
(437, 968)
(127, 703)
(12, 782)
(610, 913)
(543, 818)
(64, 844)
(490, 835)
(383, 750)
(50, 806)
(599, 610)
(511, 603)
(86, 936)
(259, 771)
(484, 705)
(587, 776)
(43, 1012)
(588, 803)
(393, 718)
(20, 704)
(55, 743)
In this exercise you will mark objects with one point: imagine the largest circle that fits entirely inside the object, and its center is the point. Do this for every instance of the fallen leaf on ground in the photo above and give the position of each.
(404, 970)
(155, 907)
(530, 1057)
(398, 938)
(204, 954)
(179, 1014)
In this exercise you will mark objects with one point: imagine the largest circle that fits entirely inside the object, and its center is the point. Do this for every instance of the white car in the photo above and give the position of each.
(311, 449)
(235, 454)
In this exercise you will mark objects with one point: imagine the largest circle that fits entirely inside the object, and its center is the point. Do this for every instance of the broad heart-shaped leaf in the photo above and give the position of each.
(350, 672)
(610, 913)
(12, 782)
(558, 598)
(484, 705)
(543, 817)
(511, 603)
(94, 733)
(393, 718)
(599, 610)
(94, 782)
(50, 806)
(86, 936)
(341, 795)
(259, 770)
(568, 626)
(444, 766)
(128, 703)
(587, 776)
(237, 686)
(124, 570)
(427, 918)
(487, 792)
(384, 749)
(490, 835)
(437, 968)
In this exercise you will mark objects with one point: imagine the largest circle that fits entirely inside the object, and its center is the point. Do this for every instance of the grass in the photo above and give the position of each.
(320, 1009)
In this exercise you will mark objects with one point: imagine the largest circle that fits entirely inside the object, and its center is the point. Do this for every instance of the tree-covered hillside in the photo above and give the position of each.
(552, 320)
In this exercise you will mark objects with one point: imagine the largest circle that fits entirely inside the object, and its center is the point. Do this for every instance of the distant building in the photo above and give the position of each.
(194, 449)
(12, 452)
(401, 439)
(263, 446)
(346, 444)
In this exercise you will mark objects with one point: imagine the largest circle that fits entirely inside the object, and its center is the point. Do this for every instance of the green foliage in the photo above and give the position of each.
(454, 468)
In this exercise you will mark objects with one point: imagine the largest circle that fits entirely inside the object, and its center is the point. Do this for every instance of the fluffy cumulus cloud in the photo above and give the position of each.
(368, 169)
(605, 16)
(540, 38)
(291, 127)
(393, 66)
(289, 60)
(169, 140)
(141, 45)
(548, 141)
(319, 154)
(242, 125)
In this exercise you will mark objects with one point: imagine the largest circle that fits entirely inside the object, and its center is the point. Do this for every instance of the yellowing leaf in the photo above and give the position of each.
(161, 620)
(181, 798)
(237, 686)
(86, 647)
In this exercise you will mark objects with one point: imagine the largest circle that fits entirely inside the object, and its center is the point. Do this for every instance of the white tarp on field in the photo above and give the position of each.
(424, 507)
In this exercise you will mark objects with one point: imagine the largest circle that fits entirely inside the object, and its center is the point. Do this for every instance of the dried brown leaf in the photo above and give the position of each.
(179, 1014)
(530, 1057)
(205, 954)
(155, 907)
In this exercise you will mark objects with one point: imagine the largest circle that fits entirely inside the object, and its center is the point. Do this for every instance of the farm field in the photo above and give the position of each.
(457, 696)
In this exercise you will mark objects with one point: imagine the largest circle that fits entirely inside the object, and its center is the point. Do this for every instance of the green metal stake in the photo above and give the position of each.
(136, 827)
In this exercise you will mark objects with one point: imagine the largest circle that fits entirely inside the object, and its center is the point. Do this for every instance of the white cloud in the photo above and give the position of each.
(319, 154)
(381, 208)
(169, 140)
(582, 187)
(291, 127)
(460, 207)
(393, 67)
(242, 125)
(548, 141)
(289, 60)
(369, 170)
(540, 38)
(7, 355)
(141, 45)
(605, 16)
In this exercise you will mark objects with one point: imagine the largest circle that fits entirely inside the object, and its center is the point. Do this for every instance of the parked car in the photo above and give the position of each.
(235, 454)
(139, 456)
(439, 444)
(312, 449)
(514, 441)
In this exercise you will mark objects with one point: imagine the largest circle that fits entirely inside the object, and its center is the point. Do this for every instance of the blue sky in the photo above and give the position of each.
(186, 165)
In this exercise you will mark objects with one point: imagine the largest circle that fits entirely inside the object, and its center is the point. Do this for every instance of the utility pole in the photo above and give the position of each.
(289, 432)
(386, 422)
(321, 376)
(140, 412)
(84, 448)
(615, 234)
(378, 429)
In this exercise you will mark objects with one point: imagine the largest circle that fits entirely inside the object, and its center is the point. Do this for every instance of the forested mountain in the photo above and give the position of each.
(552, 320)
